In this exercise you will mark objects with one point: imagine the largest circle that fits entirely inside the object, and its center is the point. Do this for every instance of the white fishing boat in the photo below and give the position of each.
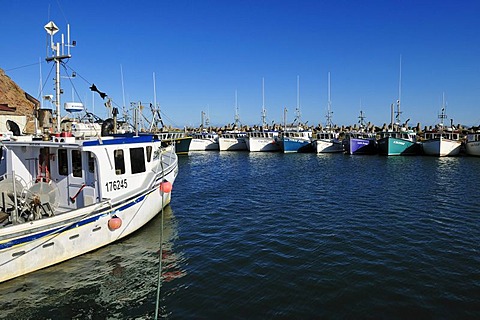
(62, 196)
(472, 143)
(263, 140)
(442, 141)
(232, 140)
(204, 141)
(326, 140)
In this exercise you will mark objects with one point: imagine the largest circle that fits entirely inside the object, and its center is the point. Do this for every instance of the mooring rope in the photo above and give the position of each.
(159, 280)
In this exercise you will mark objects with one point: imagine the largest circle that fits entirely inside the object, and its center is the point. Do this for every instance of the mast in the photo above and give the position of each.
(264, 112)
(443, 115)
(297, 109)
(58, 56)
(123, 91)
(237, 117)
(361, 117)
(329, 112)
(203, 120)
(397, 117)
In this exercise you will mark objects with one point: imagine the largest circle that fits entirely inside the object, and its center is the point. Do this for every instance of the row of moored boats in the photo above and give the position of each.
(439, 141)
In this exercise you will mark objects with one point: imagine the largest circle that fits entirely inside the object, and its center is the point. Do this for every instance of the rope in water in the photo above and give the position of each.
(159, 281)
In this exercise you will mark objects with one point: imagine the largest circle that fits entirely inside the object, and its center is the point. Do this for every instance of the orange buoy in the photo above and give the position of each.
(114, 223)
(166, 186)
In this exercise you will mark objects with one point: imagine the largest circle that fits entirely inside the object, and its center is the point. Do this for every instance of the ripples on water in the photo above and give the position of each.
(261, 235)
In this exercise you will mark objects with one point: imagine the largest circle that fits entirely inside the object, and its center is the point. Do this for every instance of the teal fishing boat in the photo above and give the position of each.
(398, 143)
(397, 139)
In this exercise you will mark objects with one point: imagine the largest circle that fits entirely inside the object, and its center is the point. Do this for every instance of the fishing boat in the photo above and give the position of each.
(472, 143)
(326, 140)
(179, 139)
(233, 140)
(295, 137)
(296, 140)
(263, 140)
(204, 140)
(62, 196)
(360, 141)
(398, 140)
(442, 141)
(398, 143)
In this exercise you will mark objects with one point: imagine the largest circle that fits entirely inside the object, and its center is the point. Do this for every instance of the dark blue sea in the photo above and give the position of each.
(274, 236)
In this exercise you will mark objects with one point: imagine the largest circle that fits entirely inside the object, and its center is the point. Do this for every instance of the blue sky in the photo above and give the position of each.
(201, 52)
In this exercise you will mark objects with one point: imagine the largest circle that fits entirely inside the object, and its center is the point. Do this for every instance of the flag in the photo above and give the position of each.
(94, 88)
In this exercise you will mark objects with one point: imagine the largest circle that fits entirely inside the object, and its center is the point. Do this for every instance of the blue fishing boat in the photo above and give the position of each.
(296, 141)
(295, 138)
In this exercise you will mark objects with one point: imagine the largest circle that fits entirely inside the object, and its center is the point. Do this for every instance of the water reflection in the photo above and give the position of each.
(117, 281)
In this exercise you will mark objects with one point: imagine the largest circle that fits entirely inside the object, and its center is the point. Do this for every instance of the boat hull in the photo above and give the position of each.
(397, 147)
(232, 144)
(473, 148)
(328, 146)
(360, 146)
(182, 145)
(203, 145)
(290, 145)
(258, 144)
(441, 147)
(472, 144)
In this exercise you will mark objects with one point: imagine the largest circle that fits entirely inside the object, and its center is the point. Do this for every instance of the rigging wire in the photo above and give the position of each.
(24, 66)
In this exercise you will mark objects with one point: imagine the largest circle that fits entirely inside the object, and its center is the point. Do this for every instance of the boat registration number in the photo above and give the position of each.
(116, 185)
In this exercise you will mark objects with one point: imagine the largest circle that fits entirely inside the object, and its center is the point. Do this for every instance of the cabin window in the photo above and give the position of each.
(137, 160)
(149, 153)
(119, 162)
(62, 162)
(91, 162)
(77, 163)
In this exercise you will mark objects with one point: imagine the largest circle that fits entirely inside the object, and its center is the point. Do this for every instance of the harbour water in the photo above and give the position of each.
(275, 236)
